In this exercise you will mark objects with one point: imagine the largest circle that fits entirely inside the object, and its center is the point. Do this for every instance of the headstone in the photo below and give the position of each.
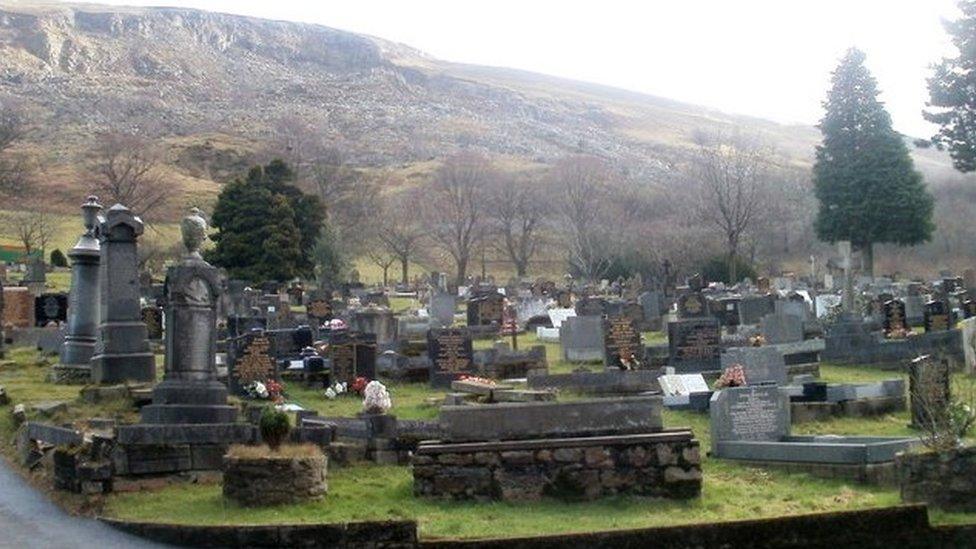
(582, 338)
(727, 311)
(694, 345)
(937, 317)
(486, 309)
(894, 316)
(250, 360)
(757, 413)
(558, 316)
(319, 307)
(651, 303)
(781, 328)
(591, 306)
(692, 305)
(929, 389)
(442, 306)
(190, 392)
(622, 347)
(761, 364)
(682, 384)
(451, 355)
(50, 307)
(374, 320)
(123, 352)
(152, 316)
(18, 310)
(353, 354)
(753, 308)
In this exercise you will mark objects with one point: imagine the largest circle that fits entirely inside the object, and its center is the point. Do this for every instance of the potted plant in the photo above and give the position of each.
(274, 427)
(942, 472)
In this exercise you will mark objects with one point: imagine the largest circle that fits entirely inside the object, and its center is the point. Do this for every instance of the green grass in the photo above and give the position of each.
(369, 492)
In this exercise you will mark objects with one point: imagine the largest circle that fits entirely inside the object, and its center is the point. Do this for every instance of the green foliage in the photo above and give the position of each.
(274, 427)
(58, 258)
(267, 228)
(330, 265)
(952, 91)
(864, 178)
(716, 269)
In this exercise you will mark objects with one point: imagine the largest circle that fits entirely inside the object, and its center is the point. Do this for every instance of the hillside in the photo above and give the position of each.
(214, 85)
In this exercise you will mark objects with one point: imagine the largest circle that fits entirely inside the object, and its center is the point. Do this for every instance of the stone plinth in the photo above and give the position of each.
(509, 421)
(666, 464)
(274, 480)
(945, 480)
(122, 353)
(79, 342)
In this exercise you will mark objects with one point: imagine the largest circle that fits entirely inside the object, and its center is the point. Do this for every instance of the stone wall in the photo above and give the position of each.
(274, 480)
(945, 480)
(666, 464)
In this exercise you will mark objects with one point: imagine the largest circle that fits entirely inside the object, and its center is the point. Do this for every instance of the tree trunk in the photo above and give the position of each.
(867, 260)
(386, 271)
(403, 269)
(462, 270)
(733, 252)
(521, 268)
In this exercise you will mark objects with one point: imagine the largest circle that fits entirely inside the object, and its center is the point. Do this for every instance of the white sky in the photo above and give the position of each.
(767, 58)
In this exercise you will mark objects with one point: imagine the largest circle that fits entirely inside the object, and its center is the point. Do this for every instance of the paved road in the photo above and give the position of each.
(28, 520)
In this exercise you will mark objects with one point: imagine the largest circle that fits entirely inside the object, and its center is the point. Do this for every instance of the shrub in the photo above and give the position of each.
(274, 427)
(58, 259)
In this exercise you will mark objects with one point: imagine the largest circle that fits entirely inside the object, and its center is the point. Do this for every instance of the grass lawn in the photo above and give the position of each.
(371, 492)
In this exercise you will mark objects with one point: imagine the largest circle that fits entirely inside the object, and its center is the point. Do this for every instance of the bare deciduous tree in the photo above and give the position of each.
(731, 171)
(399, 230)
(580, 187)
(350, 197)
(454, 211)
(518, 214)
(33, 227)
(127, 169)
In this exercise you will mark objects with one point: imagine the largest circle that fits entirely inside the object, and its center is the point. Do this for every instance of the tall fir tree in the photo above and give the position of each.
(864, 178)
(261, 234)
(952, 92)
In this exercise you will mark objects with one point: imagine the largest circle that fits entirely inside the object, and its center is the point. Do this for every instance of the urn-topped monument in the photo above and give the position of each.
(190, 391)
(79, 342)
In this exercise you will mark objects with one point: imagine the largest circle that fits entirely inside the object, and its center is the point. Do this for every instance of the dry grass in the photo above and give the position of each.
(287, 451)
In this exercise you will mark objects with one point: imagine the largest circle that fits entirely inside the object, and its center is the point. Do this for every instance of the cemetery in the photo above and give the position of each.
(507, 318)
(303, 399)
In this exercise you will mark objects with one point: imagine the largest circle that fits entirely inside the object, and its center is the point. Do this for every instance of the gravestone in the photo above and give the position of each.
(50, 307)
(83, 299)
(651, 303)
(761, 364)
(756, 413)
(190, 392)
(753, 308)
(122, 352)
(35, 279)
(451, 355)
(727, 311)
(622, 347)
(240, 325)
(694, 345)
(591, 306)
(353, 354)
(937, 317)
(152, 316)
(18, 310)
(250, 360)
(781, 328)
(682, 384)
(929, 388)
(894, 316)
(581, 338)
(378, 321)
(486, 309)
(319, 308)
(692, 305)
(442, 307)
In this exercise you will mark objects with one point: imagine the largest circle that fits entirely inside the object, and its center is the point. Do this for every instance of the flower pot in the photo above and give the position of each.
(945, 480)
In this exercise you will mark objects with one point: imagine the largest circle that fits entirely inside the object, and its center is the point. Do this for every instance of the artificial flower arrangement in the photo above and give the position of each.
(476, 379)
(757, 340)
(376, 399)
(335, 390)
(268, 390)
(733, 376)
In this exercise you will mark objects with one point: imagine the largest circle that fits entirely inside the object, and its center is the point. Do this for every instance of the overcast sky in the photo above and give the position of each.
(767, 58)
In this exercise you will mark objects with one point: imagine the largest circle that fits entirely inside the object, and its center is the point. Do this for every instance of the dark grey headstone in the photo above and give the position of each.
(582, 338)
(781, 328)
(761, 364)
(757, 413)
(694, 345)
(451, 355)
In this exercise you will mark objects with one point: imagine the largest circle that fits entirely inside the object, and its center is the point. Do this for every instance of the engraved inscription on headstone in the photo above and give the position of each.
(621, 342)
(694, 345)
(253, 363)
(451, 354)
